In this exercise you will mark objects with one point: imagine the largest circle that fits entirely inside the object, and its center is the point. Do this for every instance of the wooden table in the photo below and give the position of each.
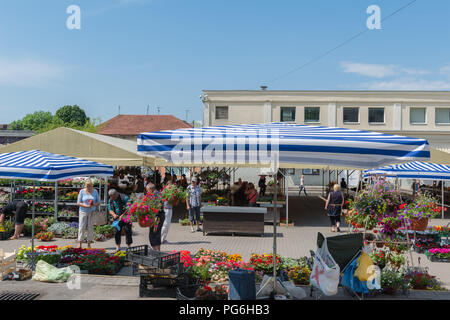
(227, 219)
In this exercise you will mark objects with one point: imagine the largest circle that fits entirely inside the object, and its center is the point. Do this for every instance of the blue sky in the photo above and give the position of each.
(135, 53)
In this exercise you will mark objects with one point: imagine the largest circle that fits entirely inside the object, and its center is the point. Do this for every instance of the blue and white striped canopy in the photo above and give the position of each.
(44, 166)
(236, 145)
(413, 170)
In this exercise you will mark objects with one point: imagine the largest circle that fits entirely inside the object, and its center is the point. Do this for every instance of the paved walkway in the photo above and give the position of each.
(307, 213)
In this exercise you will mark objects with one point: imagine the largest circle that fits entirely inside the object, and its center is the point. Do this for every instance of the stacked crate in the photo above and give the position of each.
(7, 263)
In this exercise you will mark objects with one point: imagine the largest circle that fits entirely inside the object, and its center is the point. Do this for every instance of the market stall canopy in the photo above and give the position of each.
(297, 146)
(413, 170)
(85, 145)
(439, 155)
(44, 166)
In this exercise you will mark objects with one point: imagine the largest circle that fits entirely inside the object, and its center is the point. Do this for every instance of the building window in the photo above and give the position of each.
(442, 115)
(312, 114)
(351, 115)
(376, 115)
(417, 115)
(222, 113)
(287, 114)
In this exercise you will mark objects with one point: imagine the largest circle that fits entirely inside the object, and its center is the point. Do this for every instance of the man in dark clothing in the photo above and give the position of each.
(117, 209)
(343, 184)
(19, 209)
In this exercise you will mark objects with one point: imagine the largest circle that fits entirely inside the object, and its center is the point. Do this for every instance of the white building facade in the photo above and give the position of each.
(424, 114)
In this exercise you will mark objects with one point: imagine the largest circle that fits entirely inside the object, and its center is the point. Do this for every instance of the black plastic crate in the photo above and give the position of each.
(146, 256)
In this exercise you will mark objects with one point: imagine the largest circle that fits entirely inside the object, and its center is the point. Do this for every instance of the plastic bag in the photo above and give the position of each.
(325, 273)
(47, 273)
(288, 288)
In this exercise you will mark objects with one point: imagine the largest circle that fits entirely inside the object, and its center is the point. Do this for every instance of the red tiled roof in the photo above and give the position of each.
(136, 124)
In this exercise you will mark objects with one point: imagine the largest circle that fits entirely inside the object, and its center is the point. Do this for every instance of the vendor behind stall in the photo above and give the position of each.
(19, 209)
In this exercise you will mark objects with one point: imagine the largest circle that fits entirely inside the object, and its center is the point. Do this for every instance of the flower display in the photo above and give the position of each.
(300, 275)
(264, 262)
(371, 205)
(144, 209)
(440, 253)
(45, 236)
(95, 261)
(421, 280)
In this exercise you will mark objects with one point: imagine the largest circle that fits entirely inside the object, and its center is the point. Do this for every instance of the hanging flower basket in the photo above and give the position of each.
(419, 224)
(145, 223)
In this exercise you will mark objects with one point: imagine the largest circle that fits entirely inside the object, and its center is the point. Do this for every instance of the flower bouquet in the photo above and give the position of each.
(145, 209)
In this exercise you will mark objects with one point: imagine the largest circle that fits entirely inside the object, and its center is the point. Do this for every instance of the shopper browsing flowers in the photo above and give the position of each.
(88, 201)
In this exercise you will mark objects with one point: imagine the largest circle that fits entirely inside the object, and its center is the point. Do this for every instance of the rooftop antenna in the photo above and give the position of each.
(187, 111)
(119, 110)
(148, 107)
(157, 108)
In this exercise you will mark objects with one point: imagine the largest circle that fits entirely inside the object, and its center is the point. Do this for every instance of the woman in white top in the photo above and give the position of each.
(88, 201)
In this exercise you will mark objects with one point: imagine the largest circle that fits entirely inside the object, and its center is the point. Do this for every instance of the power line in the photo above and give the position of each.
(339, 45)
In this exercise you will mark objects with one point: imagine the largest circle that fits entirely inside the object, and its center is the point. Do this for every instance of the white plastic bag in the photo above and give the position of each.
(325, 273)
(47, 273)
(285, 289)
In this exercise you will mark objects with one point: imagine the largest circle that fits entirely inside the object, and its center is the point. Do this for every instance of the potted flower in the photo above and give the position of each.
(45, 236)
(380, 258)
(145, 209)
(173, 194)
(421, 280)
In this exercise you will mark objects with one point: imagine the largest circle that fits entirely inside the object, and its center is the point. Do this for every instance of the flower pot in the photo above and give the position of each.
(143, 223)
(419, 224)
(379, 244)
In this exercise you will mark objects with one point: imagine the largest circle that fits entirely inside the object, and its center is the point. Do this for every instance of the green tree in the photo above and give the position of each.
(36, 121)
(73, 115)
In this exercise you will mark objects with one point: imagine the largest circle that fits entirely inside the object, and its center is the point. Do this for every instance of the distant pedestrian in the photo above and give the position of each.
(168, 209)
(334, 206)
(343, 184)
(193, 204)
(302, 186)
(262, 186)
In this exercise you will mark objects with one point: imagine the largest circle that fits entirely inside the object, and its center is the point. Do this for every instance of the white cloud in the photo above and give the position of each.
(445, 70)
(379, 70)
(27, 72)
(370, 70)
(409, 84)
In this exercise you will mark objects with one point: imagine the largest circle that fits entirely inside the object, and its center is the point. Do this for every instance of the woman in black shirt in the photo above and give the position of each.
(334, 205)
